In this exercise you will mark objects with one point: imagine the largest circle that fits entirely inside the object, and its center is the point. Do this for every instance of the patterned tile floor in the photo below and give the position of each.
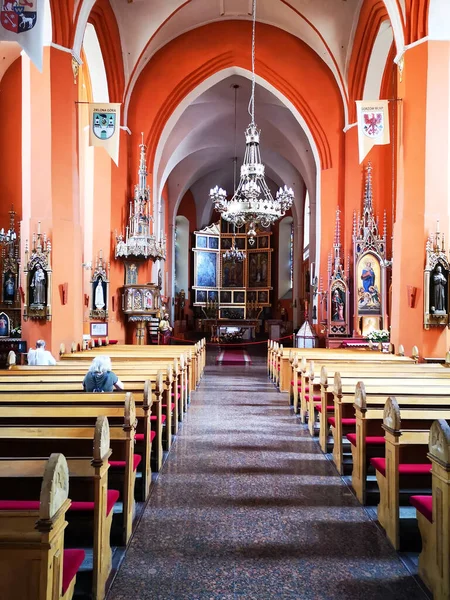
(248, 507)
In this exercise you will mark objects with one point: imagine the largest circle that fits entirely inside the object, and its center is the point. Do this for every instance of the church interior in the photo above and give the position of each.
(236, 214)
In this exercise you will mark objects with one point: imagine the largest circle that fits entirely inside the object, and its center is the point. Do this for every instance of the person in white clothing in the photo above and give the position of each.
(40, 356)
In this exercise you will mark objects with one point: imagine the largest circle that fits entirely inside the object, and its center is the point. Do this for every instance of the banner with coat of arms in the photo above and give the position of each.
(22, 21)
(373, 125)
(104, 128)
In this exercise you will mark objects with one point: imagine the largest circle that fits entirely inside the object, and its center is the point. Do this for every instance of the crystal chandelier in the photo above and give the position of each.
(233, 254)
(252, 202)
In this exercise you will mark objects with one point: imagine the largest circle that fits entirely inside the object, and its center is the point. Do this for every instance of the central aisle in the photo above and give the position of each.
(248, 507)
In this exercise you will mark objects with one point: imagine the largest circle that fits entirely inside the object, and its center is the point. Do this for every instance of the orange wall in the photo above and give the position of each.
(11, 143)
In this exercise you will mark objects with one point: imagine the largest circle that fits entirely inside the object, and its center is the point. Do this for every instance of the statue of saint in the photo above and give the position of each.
(9, 288)
(439, 283)
(165, 329)
(99, 299)
(38, 286)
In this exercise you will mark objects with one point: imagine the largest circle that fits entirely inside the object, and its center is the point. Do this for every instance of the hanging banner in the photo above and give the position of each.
(104, 128)
(373, 125)
(22, 21)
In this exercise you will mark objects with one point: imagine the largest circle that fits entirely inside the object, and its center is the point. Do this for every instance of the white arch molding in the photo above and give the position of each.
(314, 194)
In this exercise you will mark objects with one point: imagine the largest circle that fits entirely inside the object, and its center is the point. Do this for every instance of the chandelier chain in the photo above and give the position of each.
(251, 107)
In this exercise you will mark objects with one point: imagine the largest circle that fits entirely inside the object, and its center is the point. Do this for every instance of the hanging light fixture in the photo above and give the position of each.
(252, 203)
(233, 254)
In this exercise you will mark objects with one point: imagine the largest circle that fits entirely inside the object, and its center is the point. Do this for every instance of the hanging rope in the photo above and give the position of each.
(251, 106)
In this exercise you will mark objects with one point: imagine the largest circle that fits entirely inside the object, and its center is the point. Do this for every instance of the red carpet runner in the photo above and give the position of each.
(233, 357)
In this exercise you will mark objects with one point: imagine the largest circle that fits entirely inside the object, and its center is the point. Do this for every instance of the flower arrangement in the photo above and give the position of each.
(380, 335)
(16, 331)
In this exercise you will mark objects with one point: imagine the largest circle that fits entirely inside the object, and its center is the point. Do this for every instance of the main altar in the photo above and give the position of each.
(232, 279)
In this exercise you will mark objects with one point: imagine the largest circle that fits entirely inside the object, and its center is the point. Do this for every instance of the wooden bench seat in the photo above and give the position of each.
(160, 385)
(88, 480)
(305, 375)
(33, 562)
(433, 515)
(406, 462)
(45, 433)
(368, 440)
(343, 418)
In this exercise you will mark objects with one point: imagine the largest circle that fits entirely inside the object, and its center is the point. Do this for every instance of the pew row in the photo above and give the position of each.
(406, 464)
(433, 515)
(46, 433)
(17, 515)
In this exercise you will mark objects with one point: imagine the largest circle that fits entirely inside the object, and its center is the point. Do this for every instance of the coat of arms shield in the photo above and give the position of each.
(18, 16)
(103, 125)
(373, 124)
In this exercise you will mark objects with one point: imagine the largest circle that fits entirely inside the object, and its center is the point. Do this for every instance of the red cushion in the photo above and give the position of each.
(316, 397)
(19, 504)
(139, 437)
(155, 418)
(379, 464)
(318, 407)
(120, 464)
(403, 469)
(172, 406)
(111, 498)
(424, 504)
(345, 422)
(371, 440)
(72, 561)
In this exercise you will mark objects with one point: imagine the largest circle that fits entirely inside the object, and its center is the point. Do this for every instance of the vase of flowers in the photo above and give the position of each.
(16, 332)
(379, 336)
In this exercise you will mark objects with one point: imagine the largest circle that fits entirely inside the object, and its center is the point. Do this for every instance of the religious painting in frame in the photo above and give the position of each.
(5, 325)
(232, 274)
(240, 243)
(368, 276)
(239, 297)
(258, 270)
(232, 313)
(338, 303)
(213, 243)
(206, 269)
(202, 241)
(263, 241)
(225, 243)
(263, 297)
(252, 296)
(99, 329)
(225, 297)
(200, 296)
(213, 296)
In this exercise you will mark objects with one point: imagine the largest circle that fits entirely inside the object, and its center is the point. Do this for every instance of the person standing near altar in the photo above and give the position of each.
(39, 356)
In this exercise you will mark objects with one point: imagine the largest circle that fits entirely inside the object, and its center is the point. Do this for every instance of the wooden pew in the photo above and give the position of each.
(368, 440)
(433, 515)
(94, 469)
(161, 386)
(127, 372)
(75, 431)
(33, 562)
(305, 369)
(405, 456)
(86, 406)
(343, 418)
(195, 356)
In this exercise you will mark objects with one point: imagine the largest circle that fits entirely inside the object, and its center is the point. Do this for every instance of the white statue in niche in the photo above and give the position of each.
(99, 300)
